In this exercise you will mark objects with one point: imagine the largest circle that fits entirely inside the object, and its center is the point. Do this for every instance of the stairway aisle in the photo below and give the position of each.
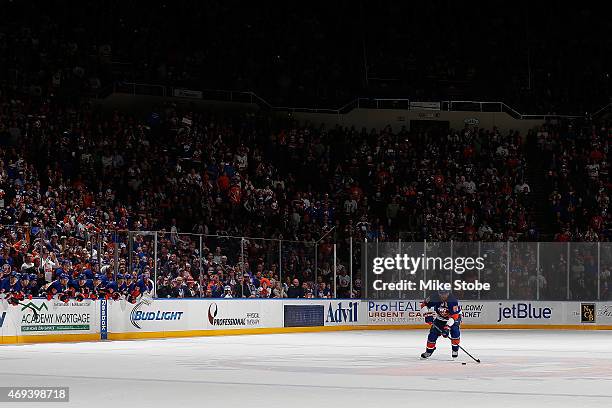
(540, 209)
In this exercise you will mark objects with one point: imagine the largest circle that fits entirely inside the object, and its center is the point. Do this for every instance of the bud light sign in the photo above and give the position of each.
(137, 315)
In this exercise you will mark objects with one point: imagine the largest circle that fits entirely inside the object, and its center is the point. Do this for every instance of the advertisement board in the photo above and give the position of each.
(339, 313)
(39, 319)
(42, 317)
(488, 313)
(603, 313)
(342, 312)
(242, 314)
(400, 312)
(187, 93)
(425, 106)
(592, 313)
(32, 320)
(151, 315)
(304, 315)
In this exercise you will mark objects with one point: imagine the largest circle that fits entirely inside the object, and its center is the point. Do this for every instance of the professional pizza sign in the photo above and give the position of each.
(226, 314)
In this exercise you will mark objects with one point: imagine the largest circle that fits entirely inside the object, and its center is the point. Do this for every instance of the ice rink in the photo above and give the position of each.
(328, 369)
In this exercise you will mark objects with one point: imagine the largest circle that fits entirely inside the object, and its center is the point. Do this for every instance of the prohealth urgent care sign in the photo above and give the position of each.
(401, 312)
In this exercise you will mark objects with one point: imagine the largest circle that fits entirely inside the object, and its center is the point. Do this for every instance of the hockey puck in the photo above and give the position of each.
(463, 363)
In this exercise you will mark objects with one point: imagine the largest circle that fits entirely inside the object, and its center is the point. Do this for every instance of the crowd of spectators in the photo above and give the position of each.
(577, 181)
(197, 204)
(74, 180)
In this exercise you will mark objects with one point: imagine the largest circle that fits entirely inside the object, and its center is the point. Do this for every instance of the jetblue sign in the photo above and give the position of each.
(523, 311)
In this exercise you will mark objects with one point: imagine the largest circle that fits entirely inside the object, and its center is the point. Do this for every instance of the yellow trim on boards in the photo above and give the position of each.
(279, 330)
(586, 326)
(49, 338)
(56, 338)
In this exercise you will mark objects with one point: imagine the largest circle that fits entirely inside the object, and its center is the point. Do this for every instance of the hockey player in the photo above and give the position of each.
(125, 284)
(120, 283)
(11, 283)
(130, 282)
(98, 289)
(112, 288)
(33, 287)
(58, 287)
(82, 287)
(446, 322)
(24, 280)
(130, 289)
(12, 289)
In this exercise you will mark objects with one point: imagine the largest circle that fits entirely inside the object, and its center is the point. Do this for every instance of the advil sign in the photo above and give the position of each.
(342, 314)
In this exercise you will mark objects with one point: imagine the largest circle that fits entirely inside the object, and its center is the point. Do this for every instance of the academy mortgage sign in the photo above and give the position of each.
(42, 317)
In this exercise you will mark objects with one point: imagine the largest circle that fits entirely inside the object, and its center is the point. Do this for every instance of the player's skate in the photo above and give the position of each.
(455, 353)
(426, 354)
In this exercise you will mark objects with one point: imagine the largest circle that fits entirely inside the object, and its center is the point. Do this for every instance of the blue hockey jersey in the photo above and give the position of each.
(445, 310)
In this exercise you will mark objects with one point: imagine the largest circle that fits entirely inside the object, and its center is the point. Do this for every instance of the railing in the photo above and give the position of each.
(602, 111)
(364, 103)
(514, 270)
(167, 255)
(332, 266)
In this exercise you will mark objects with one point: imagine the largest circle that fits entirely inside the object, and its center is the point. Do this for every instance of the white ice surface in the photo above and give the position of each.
(330, 369)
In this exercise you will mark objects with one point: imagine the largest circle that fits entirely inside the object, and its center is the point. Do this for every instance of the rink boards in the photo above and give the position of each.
(39, 320)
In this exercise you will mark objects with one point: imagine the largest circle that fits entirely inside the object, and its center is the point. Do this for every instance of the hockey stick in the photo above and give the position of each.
(462, 349)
